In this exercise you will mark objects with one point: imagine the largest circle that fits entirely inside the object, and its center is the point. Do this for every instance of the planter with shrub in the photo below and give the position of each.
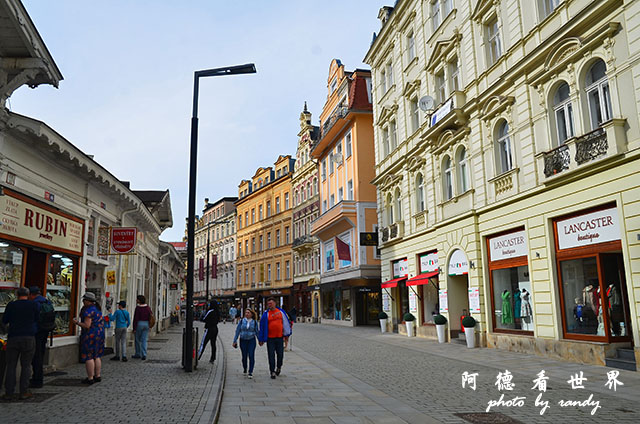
(382, 316)
(441, 322)
(469, 323)
(408, 320)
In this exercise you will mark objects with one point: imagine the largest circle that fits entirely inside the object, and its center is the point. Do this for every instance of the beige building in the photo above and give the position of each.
(515, 195)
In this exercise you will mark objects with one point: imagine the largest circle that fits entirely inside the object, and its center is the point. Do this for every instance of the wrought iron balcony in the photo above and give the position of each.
(393, 232)
(557, 160)
(339, 113)
(303, 242)
(591, 146)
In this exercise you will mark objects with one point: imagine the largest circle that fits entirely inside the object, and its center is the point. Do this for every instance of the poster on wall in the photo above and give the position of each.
(474, 300)
(413, 302)
(400, 268)
(386, 301)
(429, 262)
(111, 277)
(458, 264)
(444, 302)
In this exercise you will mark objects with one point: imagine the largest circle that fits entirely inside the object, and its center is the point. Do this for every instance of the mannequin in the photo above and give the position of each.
(525, 310)
(578, 311)
(615, 310)
(507, 308)
(517, 304)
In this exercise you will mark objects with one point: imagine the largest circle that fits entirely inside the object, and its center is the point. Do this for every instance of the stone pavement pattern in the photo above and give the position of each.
(130, 392)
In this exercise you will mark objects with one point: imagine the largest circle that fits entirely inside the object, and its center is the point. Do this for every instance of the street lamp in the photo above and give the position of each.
(249, 68)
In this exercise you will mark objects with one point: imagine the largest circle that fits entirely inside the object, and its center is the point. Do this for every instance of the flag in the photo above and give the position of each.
(201, 270)
(214, 267)
(344, 252)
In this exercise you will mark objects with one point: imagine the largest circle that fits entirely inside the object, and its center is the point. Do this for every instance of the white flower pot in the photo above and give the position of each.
(410, 331)
(383, 325)
(470, 335)
(440, 331)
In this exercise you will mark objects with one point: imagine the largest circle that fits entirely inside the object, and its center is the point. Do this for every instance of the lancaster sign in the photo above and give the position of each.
(584, 230)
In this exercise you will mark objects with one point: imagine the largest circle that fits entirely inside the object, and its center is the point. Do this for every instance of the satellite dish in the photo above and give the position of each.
(426, 103)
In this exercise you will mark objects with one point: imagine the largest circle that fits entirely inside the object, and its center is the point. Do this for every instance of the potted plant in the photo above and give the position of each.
(382, 316)
(408, 320)
(440, 322)
(468, 323)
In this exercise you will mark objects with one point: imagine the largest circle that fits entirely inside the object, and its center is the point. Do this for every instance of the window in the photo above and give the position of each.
(420, 193)
(393, 139)
(246, 276)
(253, 245)
(253, 216)
(385, 141)
(315, 186)
(339, 149)
(347, 144)
(389, 75)
(286, 235)
(246, 218)
(390, 216)
(277, 238)
(411, 47)
(504, 148)
(454, 75)
(398, 205)
(277, 270)
(563, 111)
(447, 179)
(334, 85)
(436, 19)
(261, 245)
(350, 190)
(324, 206)
(447, 5)
(287, 270)
(324, 169)
(268, 272)
(494, 47)
(277, 205)
(253, 274)
(415, 117)
(383, 81)
(286, 201)
(441, 86)
(268, 208)
(332, 200)
(269, 240)
(260, 212)
(463, 177)
(548, 6)
(331, 163)
(597, 87)
(240, 249)
(340, 194)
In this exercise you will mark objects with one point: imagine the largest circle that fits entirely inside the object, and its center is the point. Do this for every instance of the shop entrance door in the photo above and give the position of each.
(458, 297)
(368, 306)
(615, 294)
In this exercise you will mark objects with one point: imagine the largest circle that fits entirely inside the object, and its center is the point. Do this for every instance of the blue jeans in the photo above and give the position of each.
(275, 347)
(248, 349)
(141, 338)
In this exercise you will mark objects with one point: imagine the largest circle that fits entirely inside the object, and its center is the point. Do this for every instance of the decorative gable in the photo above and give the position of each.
(443, 50)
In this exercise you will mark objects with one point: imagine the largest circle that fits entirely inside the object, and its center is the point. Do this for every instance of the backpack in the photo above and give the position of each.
(47, 319)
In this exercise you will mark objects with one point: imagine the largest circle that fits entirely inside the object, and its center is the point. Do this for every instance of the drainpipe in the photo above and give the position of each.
(122, 216)
(161, 261)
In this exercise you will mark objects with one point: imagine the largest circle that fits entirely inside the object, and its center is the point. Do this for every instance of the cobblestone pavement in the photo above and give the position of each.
(427, 376)
(153, 391)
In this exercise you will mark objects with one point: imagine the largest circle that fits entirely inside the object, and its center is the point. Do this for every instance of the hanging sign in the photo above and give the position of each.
(413, 302)
(458, 264)
(386, 301)
(474, 300)
(588, 229)
(123, 240)
(429, 262)
(400, 268)
(444, 301)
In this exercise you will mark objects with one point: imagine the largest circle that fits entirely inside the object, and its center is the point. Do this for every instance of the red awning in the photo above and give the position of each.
(392, 283)
(422, 278)
(201, 304)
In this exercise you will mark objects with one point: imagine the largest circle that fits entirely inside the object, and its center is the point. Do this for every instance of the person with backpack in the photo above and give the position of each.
(46, 324)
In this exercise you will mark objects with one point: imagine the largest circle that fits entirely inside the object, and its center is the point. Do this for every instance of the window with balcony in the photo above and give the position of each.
(393, 138)
(350, 190)
(420, 204)
(415, 114)
(494, 45)
(398, 205)
(463, 172)
(347, 145)
(441, 86)
(389, 210)
(563, 112)
(454, 75)
(503, 148)
(447, 178)
(411, 47)
(598, 96)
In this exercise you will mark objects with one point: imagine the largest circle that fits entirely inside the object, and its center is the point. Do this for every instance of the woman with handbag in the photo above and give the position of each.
(143, 319)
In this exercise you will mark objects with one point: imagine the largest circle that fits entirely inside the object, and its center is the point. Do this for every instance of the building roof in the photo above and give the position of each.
(159, 204)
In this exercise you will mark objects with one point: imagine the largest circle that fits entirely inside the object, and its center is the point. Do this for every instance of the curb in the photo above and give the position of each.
(214, 396)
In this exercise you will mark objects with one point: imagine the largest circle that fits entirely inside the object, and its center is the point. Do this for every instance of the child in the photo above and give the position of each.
(123, 320)
(247, 329)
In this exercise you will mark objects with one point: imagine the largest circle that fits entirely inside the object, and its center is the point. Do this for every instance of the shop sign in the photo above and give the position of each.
(400, 268)
(369, 239)
(444, 301)
(512, 245)
(386, 301)
(429, 262)
(458, 264)
(588, 229)
(442, 111)
(413, 302)
(123, 240)
(275, 292)
(24, 220)
(173, 286)
(474, 300)
(364, 289)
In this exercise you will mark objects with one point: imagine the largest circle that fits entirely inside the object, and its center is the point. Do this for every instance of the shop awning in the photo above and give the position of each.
(392, 283)
(422, 278)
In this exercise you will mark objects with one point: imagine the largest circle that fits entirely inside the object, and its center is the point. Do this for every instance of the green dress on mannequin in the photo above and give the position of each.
(507, 308)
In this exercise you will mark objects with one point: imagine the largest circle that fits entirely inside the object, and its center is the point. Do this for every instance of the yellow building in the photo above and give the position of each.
(264, 236)
(515, 195)
(350, 272)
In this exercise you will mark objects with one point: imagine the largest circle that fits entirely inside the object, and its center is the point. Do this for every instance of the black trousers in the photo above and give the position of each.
(210, 335)
(38, 357)
(275, 348)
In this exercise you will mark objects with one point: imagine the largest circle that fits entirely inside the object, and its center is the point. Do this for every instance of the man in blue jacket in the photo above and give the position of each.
(274, 329)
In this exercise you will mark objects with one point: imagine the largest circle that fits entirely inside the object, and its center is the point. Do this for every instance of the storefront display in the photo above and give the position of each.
(427, 284)
(12, 263)
(591, 276)
(510, 282)
(346, 305)
(60, 280)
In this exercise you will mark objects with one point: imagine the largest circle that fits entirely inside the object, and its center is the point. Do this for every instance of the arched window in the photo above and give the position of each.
(563, 111)
(309, 191)
(503, 147)
(597, 88)
(447, 180)
(315, 186)
(390, 210)
(463, 172)
(398, 205)
(420, 193)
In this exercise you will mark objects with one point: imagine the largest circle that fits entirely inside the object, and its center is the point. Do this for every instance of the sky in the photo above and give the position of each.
(126, 96)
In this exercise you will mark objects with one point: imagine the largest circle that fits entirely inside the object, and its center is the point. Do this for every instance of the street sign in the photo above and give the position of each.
(123, 240)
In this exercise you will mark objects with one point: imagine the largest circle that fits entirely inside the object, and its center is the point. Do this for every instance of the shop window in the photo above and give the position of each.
(91, 237)
(563, 112)
(327, 304)
(59, 290)
(11, 271)
(597, 88)
(346, 305)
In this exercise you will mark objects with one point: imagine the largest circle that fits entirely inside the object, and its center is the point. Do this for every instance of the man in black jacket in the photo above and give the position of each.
(210, 319)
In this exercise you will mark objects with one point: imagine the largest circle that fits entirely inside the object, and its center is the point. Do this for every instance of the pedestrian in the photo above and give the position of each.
(274, 329)
(293, 315)
(233, 312)
(91, 338)
(247, 330)
(22, 317)
(123, 320)
(46, 324)
(141, 318)
(211, 319)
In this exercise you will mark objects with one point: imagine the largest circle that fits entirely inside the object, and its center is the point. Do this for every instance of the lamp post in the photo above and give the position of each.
(249, 68)
(208, 255)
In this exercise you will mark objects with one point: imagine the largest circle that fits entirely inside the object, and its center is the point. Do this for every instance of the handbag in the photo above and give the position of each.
(152, 319)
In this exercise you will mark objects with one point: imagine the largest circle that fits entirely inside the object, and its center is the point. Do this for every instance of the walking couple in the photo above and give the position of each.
(274, 329)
